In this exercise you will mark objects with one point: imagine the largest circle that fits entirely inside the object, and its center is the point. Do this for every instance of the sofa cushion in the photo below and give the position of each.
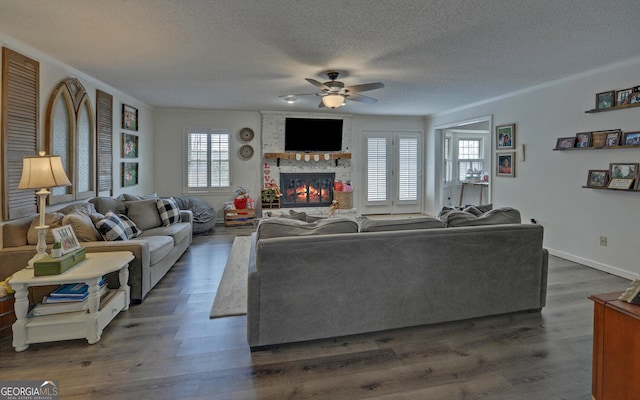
(106, 204)
(53, 220)
(82, 225)
(178, 232)
(111, 227)
(159, 247)
(144, 213)
(168, 210)
(135, 197)
(278, 227)
(132, 229)
(400, 224)
(504, 215)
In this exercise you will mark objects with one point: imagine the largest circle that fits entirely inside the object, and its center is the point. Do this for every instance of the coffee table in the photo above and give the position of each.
(72, 325)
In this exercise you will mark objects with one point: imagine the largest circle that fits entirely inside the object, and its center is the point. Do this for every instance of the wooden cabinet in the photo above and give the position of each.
(616, 348)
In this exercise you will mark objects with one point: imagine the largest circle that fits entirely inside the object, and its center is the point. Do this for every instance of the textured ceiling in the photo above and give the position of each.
(432, 55)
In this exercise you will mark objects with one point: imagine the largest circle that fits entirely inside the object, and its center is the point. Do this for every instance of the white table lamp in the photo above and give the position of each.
(42, 172)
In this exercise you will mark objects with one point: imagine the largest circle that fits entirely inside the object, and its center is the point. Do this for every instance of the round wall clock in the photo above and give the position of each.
(246, 152)
(246, 134)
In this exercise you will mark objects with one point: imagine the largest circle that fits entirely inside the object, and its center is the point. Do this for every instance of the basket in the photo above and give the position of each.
(345, 200)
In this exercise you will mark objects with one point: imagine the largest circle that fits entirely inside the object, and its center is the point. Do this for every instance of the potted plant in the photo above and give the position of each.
(57, 250)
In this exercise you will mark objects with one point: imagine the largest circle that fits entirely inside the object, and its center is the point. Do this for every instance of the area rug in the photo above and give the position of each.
(231, 297)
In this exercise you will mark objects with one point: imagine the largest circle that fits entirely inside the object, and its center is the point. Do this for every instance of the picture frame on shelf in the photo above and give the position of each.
(623, 96)
(129, 145)
(129, 174)
(583, 139)
(129, 118)
(623, 170)
(634, 98)
(565, 143)
(506, 165)
(605, 100)
(506, 137)
(598, 139)
(67, 237)
(598, 178)
(631, 139)
(613, 139)
(620, 183)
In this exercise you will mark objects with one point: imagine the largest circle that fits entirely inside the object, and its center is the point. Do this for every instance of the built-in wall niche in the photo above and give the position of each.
(70, 133)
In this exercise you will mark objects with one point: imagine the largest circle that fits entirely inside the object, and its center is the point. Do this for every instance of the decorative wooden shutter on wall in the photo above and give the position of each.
(20, 104)
(104, 131)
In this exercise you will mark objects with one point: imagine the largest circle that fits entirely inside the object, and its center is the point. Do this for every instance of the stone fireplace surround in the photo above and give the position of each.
(273, 142)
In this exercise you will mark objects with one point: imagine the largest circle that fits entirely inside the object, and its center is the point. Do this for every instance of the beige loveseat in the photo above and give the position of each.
(155, 250)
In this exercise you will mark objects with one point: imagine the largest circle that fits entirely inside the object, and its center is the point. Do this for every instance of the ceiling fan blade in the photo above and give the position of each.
(318, 84)
(321, 105)
(362, 98)
(364, 87)
(297, 94)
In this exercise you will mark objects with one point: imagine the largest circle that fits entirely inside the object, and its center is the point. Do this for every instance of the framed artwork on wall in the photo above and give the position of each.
(583, 139)
(506, 165)
(506, 137)
(565, 142)
(129, 118)
(598, 178)
(129, 174)
(129, 145)
(605, 100)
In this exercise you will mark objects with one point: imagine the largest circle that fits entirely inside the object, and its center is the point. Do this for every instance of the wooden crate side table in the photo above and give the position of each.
(7, 316)
(239, 217)
(72, 325)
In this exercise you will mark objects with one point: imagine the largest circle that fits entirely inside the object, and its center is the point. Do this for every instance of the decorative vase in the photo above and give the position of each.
(56, 253)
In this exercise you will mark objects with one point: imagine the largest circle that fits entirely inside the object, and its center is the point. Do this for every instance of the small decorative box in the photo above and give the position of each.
(55, 266)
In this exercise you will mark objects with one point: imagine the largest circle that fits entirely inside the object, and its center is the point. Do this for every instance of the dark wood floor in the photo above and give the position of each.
(168, 348)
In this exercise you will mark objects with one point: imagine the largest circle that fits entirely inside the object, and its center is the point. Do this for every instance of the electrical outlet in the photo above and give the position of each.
(603, 241)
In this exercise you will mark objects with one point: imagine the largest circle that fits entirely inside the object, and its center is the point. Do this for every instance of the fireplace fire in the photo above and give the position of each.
(306, 189)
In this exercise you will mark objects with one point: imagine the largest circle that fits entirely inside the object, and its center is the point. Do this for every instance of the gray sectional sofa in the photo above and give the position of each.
(155, 250)
(379, 275)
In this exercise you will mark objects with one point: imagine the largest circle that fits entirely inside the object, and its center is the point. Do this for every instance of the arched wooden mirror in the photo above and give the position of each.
(70, 128)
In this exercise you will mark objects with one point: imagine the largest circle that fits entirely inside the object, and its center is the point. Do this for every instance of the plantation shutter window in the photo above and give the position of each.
(408, 169)
(377, 169)
(208, 160)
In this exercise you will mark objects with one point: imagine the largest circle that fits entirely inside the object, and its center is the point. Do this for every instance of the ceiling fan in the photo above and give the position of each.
(334, 93)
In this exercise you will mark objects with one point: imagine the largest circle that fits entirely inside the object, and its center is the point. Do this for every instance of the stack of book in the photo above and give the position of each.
(67, 298)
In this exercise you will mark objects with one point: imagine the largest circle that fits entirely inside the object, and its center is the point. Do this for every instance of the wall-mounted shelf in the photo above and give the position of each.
(622, 146)
(292, 156)
(595, 110)
(616, 190)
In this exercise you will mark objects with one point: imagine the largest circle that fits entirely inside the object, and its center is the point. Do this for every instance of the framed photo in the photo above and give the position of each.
(67, 237)
(623, 96)
(613, 139)
(634, 98)
(506, 166)
(583, 139)
(129, 145)
(598, 178)
(620, 183)
(506, 137)
(623, 170)
(632, 138)
(129, 118)
(129, 174)
(605, 100)
(598, 139)
(566, 143)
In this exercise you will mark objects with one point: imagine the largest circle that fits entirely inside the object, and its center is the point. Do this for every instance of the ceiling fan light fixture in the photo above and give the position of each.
(290, 99)
(333, 101)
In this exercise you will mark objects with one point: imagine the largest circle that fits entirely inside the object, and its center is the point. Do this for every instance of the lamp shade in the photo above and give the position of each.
(333, 100)
(42, 172)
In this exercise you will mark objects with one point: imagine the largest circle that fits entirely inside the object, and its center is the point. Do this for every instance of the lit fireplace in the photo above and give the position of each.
(306, 189)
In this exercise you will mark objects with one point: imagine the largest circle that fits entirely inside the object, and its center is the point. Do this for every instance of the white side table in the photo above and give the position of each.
(72, 325)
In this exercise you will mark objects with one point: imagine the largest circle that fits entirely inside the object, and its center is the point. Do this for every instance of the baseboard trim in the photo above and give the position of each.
(594, 264)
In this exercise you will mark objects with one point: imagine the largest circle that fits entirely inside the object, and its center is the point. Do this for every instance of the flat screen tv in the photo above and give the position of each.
(308, 134)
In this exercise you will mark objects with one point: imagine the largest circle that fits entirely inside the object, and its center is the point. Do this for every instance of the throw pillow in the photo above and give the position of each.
(53, 220)
(130, 227)
(400, 224)
(144, 213)
(104, 204)
(112, 228)
(82, 226)
(278, 227)
(505, 215)
(169, 211)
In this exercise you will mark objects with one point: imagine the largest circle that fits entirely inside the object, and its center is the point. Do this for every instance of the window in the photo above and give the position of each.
(208, 163)
(408, 168)
(469, 157)
(448, 167)
(376, 169)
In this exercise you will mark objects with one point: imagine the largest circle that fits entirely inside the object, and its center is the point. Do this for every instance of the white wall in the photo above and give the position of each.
(548, 184)
(52, 72)
(169, 151)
